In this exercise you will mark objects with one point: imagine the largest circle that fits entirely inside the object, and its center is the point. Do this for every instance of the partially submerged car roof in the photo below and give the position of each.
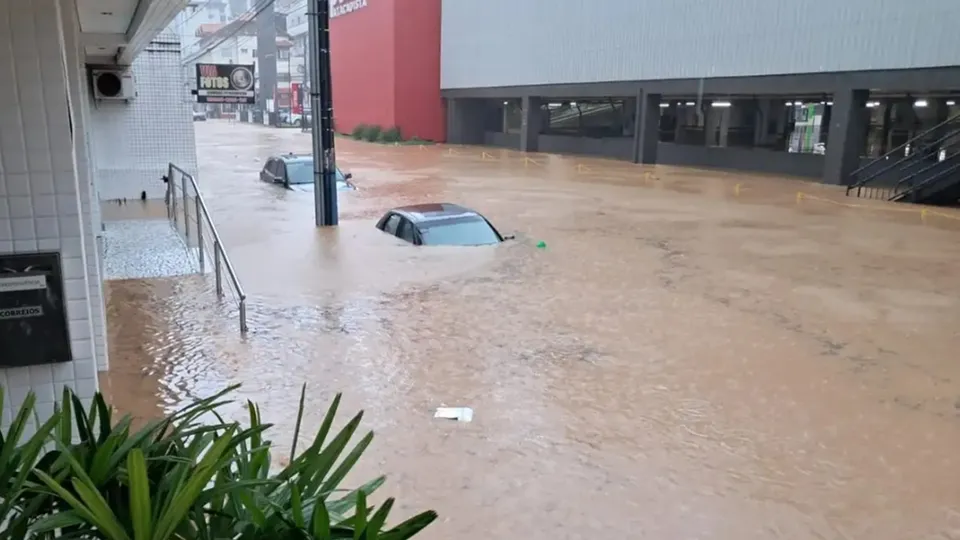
(291, 157)
(424, 213)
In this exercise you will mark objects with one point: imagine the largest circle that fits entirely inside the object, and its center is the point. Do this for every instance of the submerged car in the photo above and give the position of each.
(199, 116)
(439, 224)
(296, 172)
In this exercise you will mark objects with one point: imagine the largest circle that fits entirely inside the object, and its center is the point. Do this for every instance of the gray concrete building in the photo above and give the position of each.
(813, 89)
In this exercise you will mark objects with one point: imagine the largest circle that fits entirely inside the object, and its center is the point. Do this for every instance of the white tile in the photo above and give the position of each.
(23, 229)
(21, 206)
(47, 227)
(45, 206)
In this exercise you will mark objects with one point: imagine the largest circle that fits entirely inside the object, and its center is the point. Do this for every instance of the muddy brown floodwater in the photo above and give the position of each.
(695, 354)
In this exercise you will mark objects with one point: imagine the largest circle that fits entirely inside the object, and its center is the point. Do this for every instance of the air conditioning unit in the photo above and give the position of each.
(113, 85)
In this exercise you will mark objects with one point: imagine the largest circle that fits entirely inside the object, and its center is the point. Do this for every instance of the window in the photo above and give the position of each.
(254, 52)
(244, 51)
(210, 15)
(224, 53)
(392, 223)
(283, 54)
(406, 231)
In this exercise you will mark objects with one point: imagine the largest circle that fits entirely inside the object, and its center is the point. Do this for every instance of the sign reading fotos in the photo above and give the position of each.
(225, 83)
(342, 7)
(33, 317)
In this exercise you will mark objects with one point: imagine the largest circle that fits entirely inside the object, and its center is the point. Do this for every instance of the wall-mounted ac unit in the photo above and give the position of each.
(113, 85)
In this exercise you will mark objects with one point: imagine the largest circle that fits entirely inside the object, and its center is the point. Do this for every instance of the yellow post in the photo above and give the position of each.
(736, 190)
(799, 196)
(923, 215)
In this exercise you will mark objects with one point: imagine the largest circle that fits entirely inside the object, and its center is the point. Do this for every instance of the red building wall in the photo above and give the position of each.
(385, 64)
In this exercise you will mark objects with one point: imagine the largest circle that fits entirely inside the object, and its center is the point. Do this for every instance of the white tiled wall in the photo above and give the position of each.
(40, 182)
(134, 142)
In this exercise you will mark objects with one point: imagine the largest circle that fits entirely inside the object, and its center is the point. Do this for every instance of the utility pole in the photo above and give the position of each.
(321, 106)
(267, 61)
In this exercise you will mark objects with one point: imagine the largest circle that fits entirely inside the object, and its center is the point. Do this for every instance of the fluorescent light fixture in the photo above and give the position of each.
(789, 104)
(720, 104)
(798, 104)
(921, 103)
(830, 103)
(573, 103)
(872, 104)
(664, 105)
(690, 104)
(951, 103)
(506, 102)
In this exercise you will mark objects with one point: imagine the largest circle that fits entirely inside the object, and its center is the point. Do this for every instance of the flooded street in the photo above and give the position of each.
(694, 355)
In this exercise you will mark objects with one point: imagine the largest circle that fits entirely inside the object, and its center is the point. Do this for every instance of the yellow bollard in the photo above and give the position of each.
(736, 190)
(484, 155)
(923, 215)
(799, 196)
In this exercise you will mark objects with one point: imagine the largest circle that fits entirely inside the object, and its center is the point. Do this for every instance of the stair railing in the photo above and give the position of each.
(908, 157)
(182, 194)
(905, 187)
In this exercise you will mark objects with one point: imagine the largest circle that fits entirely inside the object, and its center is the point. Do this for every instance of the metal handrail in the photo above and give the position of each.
(904, 145)
(904, 162)
(913, 188)
(219, 254)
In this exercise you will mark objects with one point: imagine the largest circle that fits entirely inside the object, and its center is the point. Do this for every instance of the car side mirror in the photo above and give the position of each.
(510, 237)
(348, 176)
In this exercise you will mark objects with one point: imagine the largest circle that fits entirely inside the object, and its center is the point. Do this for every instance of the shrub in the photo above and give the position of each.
(359, 131)
(391, 135)
(178, 478)
(371, 133)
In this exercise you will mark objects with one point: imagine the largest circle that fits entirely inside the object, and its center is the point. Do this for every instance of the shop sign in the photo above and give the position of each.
(342, 7)
(33, 315)
(225, 83)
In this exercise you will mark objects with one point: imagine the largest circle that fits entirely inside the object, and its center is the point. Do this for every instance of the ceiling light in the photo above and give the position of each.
(951, 103)
(664, 105)
(690, 104)
(506, 102)
(789, 104)
(720, 104)
(921, 103)
(830, 103)
(872, 104)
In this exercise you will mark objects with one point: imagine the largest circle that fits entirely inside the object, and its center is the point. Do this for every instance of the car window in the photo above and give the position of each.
(281, 170)
(340, 176)
(458, 232)
(406, 231)
(391, 225)
(268, 168)
(300, 172)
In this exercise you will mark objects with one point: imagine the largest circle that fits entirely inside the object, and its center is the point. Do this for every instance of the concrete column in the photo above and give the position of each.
(530, 124)
(846, 137)
(646, 136)
(465, 121)
(724, 126)
(629, 115)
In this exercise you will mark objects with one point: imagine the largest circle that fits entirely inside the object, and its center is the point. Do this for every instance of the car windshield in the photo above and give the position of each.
(301, 172)
(460, 232)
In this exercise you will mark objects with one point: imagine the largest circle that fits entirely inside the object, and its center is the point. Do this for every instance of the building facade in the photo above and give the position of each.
(63, 152)
(807, 89)
(385, 64)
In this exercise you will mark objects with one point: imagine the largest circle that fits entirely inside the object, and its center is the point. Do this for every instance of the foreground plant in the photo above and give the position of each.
(179, 478)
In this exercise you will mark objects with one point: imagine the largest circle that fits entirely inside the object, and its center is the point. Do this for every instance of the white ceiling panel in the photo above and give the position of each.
(106, 16)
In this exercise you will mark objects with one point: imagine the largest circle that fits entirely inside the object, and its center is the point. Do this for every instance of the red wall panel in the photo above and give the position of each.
(385, 63)
(362, 66)
(419, 107)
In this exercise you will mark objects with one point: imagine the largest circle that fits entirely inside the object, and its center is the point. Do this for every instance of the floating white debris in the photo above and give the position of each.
(461, 414)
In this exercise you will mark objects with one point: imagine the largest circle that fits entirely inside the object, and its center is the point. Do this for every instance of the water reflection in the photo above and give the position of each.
(693, 355)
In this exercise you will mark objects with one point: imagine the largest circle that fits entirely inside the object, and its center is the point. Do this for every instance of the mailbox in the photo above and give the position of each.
(33, 315)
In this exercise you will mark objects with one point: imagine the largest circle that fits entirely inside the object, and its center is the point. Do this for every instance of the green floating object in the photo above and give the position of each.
(542, 245)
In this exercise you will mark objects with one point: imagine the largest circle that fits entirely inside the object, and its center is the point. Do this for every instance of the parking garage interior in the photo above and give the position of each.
(784, 134)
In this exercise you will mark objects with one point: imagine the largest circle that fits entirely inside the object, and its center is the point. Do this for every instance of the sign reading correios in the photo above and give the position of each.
(342, 7)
